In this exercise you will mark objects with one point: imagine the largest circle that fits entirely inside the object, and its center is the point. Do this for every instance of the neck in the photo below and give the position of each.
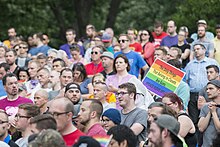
(45, 86)
(68, 129)
(13, 67)
(34, 78)
(108, 69)
(132, 41)
(122, 73)
(97, 61)
(23, 55)
(57, 86)
(12, 97)
(180, 43)
(128, 108)
(126, 50)
(90, 124)
(144, 41)
(71, 42)
(200, 58)
(202, 38)
(25, 133)
(43, 108)
(168, 142)
(173, 34)
(217, 100)
(40, 44)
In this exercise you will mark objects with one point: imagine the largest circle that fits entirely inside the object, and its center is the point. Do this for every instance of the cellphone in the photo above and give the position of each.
(217, 105)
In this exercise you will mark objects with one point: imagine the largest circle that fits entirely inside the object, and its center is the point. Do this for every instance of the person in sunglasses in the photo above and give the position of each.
(135, 60)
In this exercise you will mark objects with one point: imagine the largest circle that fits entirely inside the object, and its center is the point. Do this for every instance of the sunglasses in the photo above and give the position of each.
(144, 34)
(95, 53)
(123, 41)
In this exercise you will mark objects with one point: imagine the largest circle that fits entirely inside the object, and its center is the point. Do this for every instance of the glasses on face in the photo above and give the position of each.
(181, 35)
(119, 94)
(144, 34)
(93, 52)
(24, 47)
(56, 114)
(2, 122)
(21, 116)
(122, 41)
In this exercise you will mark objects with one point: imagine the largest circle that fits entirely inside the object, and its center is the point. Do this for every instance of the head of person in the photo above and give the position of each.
(23, 48)
(11, 32)
(33, 67)
(43, 75)
(73, 92)
(100, 91)
(201, 23)
(185, 30)
(212, 72)
(10, 83)
(90, 30)
(122, 136)
(46, 39)
(199, 51)
(155, 109)
(42, 59)
(175, 62)
(52, 54)
(75, 51)
(30, 40)
(173, 101)
(96, 53)
(158, 28)
(126, 94)
(217, 30)
(107, 59)
(181, 35)
(70, 35)
(132, 33)
(42, 122)
(2, 51)
(58, 64)
(201, 31)
(41, 98)
(117, 48)
(146, 35)
(4, 69)
(121, 63)
(54, 77)
(171, 27)
(164, 130)
(62, 109)
(25, 112)
(98, 78)
(4, 124)
(23, 74)
(213, 89)
(10, 56)
(79, 72)
(110, 118)
(38, 38)
(66, 76)
(124, 41)
(48, 138)
(106, 39)
(160, 53)
(174, 53)
(90, 110)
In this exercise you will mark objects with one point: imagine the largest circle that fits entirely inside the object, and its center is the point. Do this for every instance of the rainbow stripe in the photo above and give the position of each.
(103, 140)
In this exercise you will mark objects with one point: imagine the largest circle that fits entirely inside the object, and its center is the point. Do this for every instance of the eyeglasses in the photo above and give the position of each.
(122, 41)
(144, 34)
(1, 121)
(56, 114)
(24, 47)
(119, 94)
(21, 116)
(94, 53)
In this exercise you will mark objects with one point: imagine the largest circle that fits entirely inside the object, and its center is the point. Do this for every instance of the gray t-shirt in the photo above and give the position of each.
(137, 115)
(210, 132)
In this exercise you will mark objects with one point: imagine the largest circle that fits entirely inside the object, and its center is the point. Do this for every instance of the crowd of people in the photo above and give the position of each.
(92, 88)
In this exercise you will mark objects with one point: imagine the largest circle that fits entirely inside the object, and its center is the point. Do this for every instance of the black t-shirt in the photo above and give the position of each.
(183, 48)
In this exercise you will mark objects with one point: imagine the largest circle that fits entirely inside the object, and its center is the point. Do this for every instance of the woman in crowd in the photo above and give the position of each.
(111, 118)
(146, 40)
(187, 128)
(75, 52)
(80, 77)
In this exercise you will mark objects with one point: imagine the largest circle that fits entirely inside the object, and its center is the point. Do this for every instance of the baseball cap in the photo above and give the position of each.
(170, 123)
(106, 37)
(113, 115)
(215, 82)
(72, 86)
(201, 22)
(107, 54)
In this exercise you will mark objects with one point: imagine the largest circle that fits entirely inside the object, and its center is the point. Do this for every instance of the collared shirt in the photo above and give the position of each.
(196, 75)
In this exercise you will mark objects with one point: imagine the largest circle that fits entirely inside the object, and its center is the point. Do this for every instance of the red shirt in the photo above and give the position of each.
(158, 39)
(136, 47)
(72, 138)
(92, 69)
(96, 129)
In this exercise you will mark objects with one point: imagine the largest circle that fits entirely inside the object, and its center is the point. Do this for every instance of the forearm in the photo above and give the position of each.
(203, 122)
(216, 121)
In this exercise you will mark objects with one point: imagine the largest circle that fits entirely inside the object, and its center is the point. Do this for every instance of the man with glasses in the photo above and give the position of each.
(23, 59)
(62, 110)
(4, 127)
(132, 116)
(135, 60)
(96, 65)
(25, 112)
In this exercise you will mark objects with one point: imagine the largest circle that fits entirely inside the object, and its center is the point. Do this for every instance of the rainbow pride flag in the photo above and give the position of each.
(162, 78)
(103, 140)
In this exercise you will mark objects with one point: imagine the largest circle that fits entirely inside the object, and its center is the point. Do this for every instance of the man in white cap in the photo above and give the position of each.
(107, 63)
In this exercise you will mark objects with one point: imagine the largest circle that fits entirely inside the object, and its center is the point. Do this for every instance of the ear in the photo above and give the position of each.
(8, 126)
(93, 114)
(124, 143)
(165, 133)
(131, 95)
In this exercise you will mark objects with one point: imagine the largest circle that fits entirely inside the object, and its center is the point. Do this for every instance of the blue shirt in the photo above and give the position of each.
(135, 60)
(2, 89)
(42, 49)
(196, 75)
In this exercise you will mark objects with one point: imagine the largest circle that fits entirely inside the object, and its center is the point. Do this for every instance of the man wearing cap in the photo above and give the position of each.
(209, 122)
(196, 77)
(106, 39)
(107, 63)
(164, 132)
(209, 35)
(202, 39)
(73, 93)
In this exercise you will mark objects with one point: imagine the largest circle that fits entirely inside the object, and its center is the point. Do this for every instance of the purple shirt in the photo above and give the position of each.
(66, 48)
(11, 107)
(169, 41)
